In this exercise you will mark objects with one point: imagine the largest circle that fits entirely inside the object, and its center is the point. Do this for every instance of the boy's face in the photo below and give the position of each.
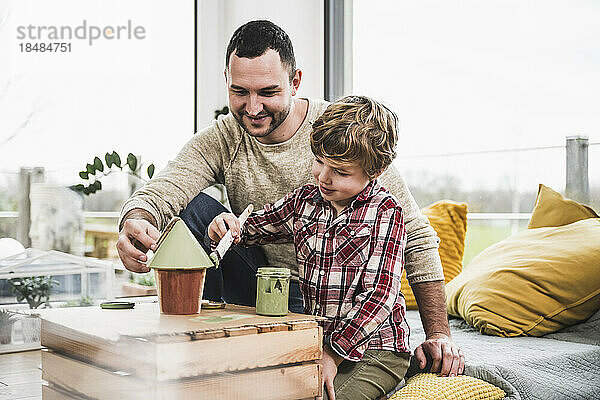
(339, 183)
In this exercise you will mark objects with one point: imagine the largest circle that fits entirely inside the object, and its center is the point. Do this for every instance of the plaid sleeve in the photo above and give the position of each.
(272, 224)
(381, 283)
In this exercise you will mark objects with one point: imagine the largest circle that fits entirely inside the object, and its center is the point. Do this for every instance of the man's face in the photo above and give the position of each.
(260, 92)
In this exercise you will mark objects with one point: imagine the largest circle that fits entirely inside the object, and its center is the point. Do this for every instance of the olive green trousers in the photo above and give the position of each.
(375, 375)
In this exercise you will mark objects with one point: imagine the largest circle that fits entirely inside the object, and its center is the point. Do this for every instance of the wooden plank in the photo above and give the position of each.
(21, 391)
(172, 360)
(50, 392)
(146, 321)
(266, 328)
(204, 335)
(243, 330)
(297, 325)
(133, 356)
(19, 362)
(235, 353)
(16, 378)
(280, 383)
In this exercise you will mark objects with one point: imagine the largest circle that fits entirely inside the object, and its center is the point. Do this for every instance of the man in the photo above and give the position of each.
(260, 152)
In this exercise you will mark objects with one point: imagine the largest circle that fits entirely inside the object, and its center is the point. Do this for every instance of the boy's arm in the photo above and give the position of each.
(272, 224)
(381, 283)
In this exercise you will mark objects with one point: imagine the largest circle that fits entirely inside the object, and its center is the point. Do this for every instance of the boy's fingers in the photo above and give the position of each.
(221, 227)
(330, 390)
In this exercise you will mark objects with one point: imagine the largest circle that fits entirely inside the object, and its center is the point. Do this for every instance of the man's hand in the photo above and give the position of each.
(443, 354)
(136, 237)
(221, 223)
(329, 364)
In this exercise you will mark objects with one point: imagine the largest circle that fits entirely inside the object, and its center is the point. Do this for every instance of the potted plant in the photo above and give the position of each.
(7, 319)
(97, 170)
(36, 291)
(84, 301)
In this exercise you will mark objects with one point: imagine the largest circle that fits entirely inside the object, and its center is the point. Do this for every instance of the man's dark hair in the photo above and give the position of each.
(255, 37)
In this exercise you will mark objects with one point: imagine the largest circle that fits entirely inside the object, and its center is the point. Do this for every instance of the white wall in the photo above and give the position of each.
(302, 20)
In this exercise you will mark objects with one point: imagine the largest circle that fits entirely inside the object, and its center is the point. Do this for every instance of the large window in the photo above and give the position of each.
(471, 78)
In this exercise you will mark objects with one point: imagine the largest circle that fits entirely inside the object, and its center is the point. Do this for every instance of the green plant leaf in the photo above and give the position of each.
(98, 185)
(84, 175)
(109, 160)
(150, 170)
(90, 169)
(98, 164)
(116, 159)
(77, 188)
(132, 162)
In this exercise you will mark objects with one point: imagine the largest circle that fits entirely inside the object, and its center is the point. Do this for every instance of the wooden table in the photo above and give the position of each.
(229, 353)
(20, 376)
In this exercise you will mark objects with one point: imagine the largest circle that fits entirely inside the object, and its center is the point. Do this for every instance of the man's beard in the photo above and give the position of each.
(276, 120)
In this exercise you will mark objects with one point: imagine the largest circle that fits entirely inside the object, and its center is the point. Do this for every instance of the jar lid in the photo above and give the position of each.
(273, 271)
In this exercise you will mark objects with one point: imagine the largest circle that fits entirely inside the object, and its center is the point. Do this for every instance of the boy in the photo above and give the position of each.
(349, 237)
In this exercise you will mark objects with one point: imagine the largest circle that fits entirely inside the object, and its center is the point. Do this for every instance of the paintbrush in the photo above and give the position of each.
(227, 239)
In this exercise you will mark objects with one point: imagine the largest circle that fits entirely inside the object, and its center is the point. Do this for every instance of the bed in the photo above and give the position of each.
(562, 365)
(525, 311)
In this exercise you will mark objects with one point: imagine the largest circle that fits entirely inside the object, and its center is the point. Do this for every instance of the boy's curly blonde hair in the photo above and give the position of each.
(356, 129)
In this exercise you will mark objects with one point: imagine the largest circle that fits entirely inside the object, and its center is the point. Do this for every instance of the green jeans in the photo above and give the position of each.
(375, 375)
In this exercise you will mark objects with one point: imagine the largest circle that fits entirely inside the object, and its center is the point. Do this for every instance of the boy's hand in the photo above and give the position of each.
(329, 364)
(219, 226)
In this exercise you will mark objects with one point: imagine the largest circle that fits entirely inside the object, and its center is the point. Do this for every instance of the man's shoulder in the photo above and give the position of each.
(316, 107)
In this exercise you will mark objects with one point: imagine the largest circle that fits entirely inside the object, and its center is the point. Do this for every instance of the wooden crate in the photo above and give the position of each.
(229, 353)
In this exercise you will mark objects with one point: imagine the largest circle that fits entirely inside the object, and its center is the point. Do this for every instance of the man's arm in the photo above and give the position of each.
(422, 261)
(137, 234)
(438, 349)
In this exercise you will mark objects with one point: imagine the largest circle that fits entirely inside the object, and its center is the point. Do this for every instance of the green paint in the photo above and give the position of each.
(272, 291)
(180, 250)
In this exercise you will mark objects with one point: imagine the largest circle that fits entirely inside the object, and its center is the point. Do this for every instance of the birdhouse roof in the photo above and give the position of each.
(179, 249)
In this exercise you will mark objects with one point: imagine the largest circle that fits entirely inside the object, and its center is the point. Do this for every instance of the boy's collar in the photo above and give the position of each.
(369, 191)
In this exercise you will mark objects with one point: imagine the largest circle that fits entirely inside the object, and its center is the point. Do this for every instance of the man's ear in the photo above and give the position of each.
(296, 81)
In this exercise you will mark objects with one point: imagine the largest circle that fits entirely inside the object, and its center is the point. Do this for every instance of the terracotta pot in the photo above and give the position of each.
(180, 290)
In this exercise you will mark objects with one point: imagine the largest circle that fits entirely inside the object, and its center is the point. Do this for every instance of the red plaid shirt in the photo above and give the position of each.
(349, 265)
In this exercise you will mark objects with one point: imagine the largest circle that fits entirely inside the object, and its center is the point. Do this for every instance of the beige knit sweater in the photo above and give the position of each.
(256, 173)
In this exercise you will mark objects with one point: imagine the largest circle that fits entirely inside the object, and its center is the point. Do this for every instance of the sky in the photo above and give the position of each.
(59, 110)
(463, 75)
(472, 75)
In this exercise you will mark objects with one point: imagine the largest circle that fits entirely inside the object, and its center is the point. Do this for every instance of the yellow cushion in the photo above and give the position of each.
(433, 387)
(552, 209)
(449, 219)
(533, 283)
